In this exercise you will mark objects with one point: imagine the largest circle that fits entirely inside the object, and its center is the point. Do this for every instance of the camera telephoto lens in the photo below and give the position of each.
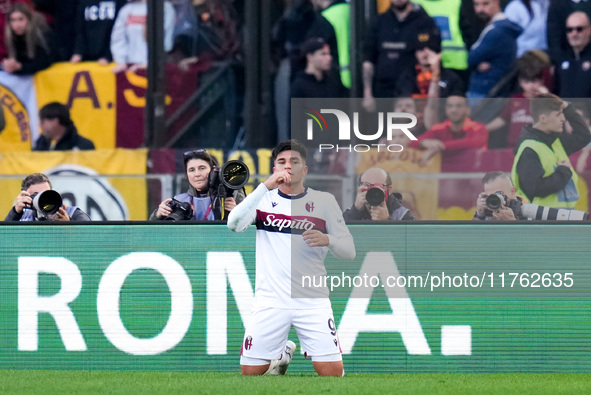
(235, 174)
(375, 196)
(47, 203)
(493, 202)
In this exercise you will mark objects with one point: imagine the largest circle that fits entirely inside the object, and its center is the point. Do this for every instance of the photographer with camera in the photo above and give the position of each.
(206, 195)
(499, 192)
(499, 201)
(37, 201)
(375, 200)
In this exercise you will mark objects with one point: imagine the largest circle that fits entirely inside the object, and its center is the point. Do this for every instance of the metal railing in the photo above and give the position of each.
(209, 115)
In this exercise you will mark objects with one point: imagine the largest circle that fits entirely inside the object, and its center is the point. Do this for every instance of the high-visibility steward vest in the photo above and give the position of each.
(446, 14)
(549, 158)
(339, 16)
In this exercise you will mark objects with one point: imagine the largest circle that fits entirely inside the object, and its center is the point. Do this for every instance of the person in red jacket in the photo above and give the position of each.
(457, 132)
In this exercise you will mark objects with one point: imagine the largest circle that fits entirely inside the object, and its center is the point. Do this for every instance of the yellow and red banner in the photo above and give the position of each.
(106, 108)
(88, 89)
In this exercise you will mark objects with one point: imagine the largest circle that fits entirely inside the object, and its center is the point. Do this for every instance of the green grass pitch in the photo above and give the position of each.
(97, 382)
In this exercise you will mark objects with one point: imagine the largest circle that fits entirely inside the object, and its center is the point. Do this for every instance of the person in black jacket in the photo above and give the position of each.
(390, 48)
(94, 22)
(299, 22)
(390, 209)
(29, 41)
(317, 80)
(59, 131)
(62, 14)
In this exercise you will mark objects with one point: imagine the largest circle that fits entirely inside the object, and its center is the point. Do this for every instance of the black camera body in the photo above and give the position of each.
(45, 204)
(498, 199)
(181, 211)
(224, 180)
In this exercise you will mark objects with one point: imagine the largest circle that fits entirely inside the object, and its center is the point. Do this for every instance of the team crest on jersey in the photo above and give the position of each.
(310, 207)
(248, 343)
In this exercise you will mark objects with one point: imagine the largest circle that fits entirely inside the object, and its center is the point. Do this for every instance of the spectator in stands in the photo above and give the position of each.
(390, 50)
(573, 74)
(446, 14)
(128, 38)
(5, 7)
(61, 15)
(59, 131)
(385, 205)
(495, 182)
(556, 25)
(470, 25)
(205, 28)
(505, 129)
(299, 23)
(393, 155)
(409, 105)
(198, 165)
(541, 170)
(33, 184)
(492, 56)
(94, 23)
(316, 80)
(28, 40)
(430, 80)
(457, 132)
(532, 16)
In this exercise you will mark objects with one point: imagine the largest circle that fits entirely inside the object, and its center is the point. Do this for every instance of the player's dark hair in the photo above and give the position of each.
(34, 179)
(290, 145)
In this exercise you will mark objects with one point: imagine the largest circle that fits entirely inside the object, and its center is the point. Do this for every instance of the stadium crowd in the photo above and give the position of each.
(467, 69)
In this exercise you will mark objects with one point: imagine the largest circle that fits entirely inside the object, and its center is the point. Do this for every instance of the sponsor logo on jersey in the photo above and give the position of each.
(272, 222)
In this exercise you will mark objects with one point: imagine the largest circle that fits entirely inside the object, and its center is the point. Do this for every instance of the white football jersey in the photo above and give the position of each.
(283, 259)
